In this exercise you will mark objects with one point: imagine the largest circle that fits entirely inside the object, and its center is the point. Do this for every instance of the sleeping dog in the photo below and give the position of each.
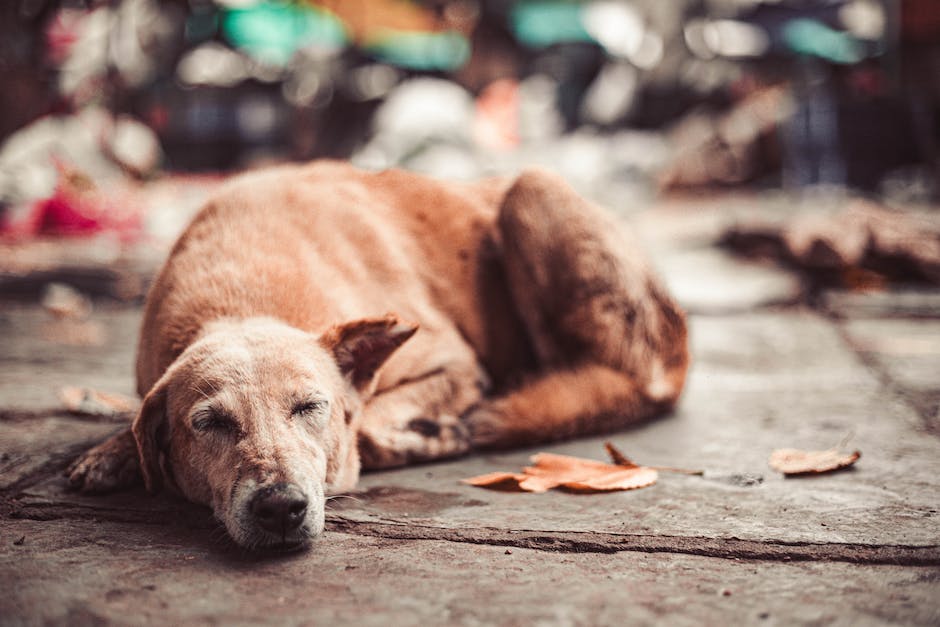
(316, 320)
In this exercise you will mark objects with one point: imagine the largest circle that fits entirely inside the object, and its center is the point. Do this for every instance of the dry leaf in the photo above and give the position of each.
(583, 475)
(94, 403)
(64, 301)
(625, 479)
(497, 480)
(792, 461)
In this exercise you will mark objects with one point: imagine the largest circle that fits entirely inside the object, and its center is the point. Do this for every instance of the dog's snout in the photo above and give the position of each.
(280, 508)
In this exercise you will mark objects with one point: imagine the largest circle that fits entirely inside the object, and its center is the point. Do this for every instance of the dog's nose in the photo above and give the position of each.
(279, 508)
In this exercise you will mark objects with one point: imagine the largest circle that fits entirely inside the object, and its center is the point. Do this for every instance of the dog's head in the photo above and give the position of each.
(257, 420)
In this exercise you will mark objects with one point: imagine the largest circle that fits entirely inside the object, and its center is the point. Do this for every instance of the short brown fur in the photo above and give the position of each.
(537, 319)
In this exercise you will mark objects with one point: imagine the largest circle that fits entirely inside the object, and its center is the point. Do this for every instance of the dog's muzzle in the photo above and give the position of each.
(279, 509)
(279, 517)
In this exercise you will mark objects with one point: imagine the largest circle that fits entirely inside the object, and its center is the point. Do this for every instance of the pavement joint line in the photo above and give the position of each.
(597, 542)
(779, 305)
(542, 540)
(885, 380)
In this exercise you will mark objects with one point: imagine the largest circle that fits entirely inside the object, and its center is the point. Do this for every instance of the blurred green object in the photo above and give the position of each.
(542, 23)
(445, 51)
(811, 37)
(271, 32)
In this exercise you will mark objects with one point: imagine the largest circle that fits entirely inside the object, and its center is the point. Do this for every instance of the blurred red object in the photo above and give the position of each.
(78, 208)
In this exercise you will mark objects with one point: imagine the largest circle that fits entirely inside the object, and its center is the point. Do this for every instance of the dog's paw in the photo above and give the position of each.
(447, 436)
(486, 425)
(110, 466)
(418, 440)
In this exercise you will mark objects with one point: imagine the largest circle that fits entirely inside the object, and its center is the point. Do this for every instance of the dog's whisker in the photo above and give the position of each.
(343, 496)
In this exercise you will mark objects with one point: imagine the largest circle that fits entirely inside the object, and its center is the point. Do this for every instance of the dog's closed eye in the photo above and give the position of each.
(214, 420)
(310, 408)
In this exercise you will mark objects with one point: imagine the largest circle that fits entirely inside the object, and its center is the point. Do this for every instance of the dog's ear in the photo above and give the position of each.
(151, 431)
(362, 346)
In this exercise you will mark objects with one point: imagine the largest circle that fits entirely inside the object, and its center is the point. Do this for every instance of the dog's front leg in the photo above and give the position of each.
(419, 419)
(112, 465)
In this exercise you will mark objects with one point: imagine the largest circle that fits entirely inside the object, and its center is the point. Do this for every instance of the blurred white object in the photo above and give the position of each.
(419, 112)
(135, 146)
(426, 107)
(610, 97)
(212, 64)
(731, 38)
(64, 301)
(539, 119)
(615, 25)
(622, 31)
(864, 18)
(138, 29)
(27, 158)
(446, 161)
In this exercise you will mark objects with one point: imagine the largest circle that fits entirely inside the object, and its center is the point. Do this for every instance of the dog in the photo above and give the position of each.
(316, 320)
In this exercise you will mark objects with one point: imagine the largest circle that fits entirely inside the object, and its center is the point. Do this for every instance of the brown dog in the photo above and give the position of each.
(271, 372)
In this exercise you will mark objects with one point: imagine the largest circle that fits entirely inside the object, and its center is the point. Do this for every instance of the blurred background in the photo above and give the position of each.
(117, 117)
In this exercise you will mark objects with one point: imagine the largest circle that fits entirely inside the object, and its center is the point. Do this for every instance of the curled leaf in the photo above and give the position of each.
(792, 461)
(617, 457)
(583, 475)
(625, 479)
(498, 480)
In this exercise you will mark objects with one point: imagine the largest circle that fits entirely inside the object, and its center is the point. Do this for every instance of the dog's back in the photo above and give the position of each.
(314, 244)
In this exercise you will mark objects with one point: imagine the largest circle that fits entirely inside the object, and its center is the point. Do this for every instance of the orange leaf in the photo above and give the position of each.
(497, 480)
(792, 461)
(583, 475)
(624, 479)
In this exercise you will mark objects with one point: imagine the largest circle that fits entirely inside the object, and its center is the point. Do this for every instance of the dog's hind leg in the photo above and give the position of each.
(610, 341)
(418, 420)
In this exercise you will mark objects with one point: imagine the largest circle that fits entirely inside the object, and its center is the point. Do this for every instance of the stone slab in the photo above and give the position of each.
(29, 446)
(82, 572)
(921, 302)
(36, 358)
(907, 354)
(759, 382)
(908, 350)
(708, 280)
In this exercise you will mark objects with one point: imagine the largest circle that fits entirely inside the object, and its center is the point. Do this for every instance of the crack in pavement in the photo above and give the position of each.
(598, 542)
(868, 359)
(542, 540)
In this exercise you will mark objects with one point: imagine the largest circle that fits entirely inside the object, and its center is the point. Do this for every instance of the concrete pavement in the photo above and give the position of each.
(740, 544)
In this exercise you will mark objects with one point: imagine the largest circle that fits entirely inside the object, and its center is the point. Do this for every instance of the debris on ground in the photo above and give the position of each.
(88, 402)
(860, 245)
(70, 311)
(792, 461)
(726, 148)
(63, 301)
